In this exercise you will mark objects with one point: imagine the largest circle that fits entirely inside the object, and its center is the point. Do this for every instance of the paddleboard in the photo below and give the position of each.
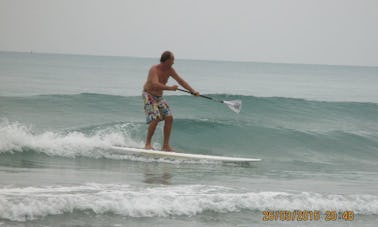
(177, 155)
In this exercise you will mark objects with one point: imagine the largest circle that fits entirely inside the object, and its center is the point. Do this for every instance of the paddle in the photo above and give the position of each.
(234, 105)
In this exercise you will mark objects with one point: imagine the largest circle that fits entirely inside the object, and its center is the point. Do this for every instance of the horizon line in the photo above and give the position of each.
(188, 59)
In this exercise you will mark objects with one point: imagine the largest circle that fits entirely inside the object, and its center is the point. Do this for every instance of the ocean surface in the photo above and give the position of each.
(315, 127)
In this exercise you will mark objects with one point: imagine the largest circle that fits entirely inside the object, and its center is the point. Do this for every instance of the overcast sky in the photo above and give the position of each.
(290, 31)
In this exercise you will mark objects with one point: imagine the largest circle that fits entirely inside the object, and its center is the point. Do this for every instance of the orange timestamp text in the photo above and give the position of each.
(307, 215)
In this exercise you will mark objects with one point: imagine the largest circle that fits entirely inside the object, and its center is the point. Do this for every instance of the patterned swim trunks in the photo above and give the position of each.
(155, 107)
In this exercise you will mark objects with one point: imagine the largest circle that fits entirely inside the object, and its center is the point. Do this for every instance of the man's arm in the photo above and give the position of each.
(183, 83)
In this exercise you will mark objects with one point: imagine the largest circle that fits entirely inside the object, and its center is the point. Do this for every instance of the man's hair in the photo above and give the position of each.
(165, 56)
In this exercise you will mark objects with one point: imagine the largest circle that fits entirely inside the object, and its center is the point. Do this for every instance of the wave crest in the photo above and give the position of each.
(17, 137)
(30, 203)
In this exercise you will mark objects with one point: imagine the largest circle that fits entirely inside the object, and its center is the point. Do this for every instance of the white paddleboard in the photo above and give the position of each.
(185, 156)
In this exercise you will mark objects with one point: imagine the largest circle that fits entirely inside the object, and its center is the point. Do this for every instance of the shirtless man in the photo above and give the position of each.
(155, 107)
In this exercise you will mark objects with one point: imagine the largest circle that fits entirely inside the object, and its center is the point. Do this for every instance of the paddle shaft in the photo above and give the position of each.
(203, 96)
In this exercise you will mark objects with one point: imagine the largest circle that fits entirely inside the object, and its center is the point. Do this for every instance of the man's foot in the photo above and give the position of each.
(167, 148)
(148, 147)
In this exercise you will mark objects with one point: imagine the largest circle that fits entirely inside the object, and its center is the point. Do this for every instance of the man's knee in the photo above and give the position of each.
(154, 123)
(168, 118)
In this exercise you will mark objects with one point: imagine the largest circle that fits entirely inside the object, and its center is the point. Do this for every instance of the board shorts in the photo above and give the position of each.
(155, 107)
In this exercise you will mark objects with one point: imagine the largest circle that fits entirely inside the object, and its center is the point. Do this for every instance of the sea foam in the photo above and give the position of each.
(16, 137)
(30, 203)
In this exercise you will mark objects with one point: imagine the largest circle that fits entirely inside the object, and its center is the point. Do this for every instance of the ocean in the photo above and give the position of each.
(315, 127)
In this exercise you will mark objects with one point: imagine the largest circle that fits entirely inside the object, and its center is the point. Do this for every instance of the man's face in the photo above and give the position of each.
(171, 60)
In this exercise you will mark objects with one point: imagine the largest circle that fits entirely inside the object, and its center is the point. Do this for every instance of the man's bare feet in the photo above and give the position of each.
(167, 148)
(148, 147)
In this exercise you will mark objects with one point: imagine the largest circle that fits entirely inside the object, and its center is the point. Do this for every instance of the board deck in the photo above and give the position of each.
(177, 155)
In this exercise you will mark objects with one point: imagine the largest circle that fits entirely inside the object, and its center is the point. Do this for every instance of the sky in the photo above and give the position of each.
(333, 32)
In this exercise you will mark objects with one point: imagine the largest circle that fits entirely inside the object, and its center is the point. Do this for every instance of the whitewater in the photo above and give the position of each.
(315, 127)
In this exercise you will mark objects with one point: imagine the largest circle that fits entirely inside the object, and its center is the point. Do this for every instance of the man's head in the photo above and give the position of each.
(167, 57)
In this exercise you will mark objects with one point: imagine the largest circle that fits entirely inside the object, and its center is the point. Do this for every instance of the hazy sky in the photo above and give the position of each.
(291, 31)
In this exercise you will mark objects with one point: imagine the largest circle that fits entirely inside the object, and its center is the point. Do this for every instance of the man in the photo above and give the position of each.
(155, 107)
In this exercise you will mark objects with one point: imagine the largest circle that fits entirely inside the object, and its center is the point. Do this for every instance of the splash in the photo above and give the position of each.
(30, 203)
(16, 137)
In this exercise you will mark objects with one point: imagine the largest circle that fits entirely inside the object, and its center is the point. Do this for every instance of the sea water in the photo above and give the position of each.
(315, 127)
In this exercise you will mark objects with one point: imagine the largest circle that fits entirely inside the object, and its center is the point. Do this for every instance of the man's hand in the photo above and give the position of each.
(196, 93)
(173, 88)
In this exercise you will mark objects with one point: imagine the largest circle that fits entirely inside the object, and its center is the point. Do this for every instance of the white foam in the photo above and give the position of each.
(29, 203)
(17, 137)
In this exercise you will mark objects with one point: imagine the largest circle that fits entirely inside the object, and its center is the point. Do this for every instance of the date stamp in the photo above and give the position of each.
(307, 215)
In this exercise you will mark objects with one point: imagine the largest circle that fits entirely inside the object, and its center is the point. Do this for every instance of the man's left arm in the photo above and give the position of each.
(183, 83)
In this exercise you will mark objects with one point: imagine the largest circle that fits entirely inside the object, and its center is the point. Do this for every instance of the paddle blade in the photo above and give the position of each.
(234, 105)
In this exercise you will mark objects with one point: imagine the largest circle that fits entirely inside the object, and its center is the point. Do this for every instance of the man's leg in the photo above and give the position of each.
(150, 133)
(167, 133)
